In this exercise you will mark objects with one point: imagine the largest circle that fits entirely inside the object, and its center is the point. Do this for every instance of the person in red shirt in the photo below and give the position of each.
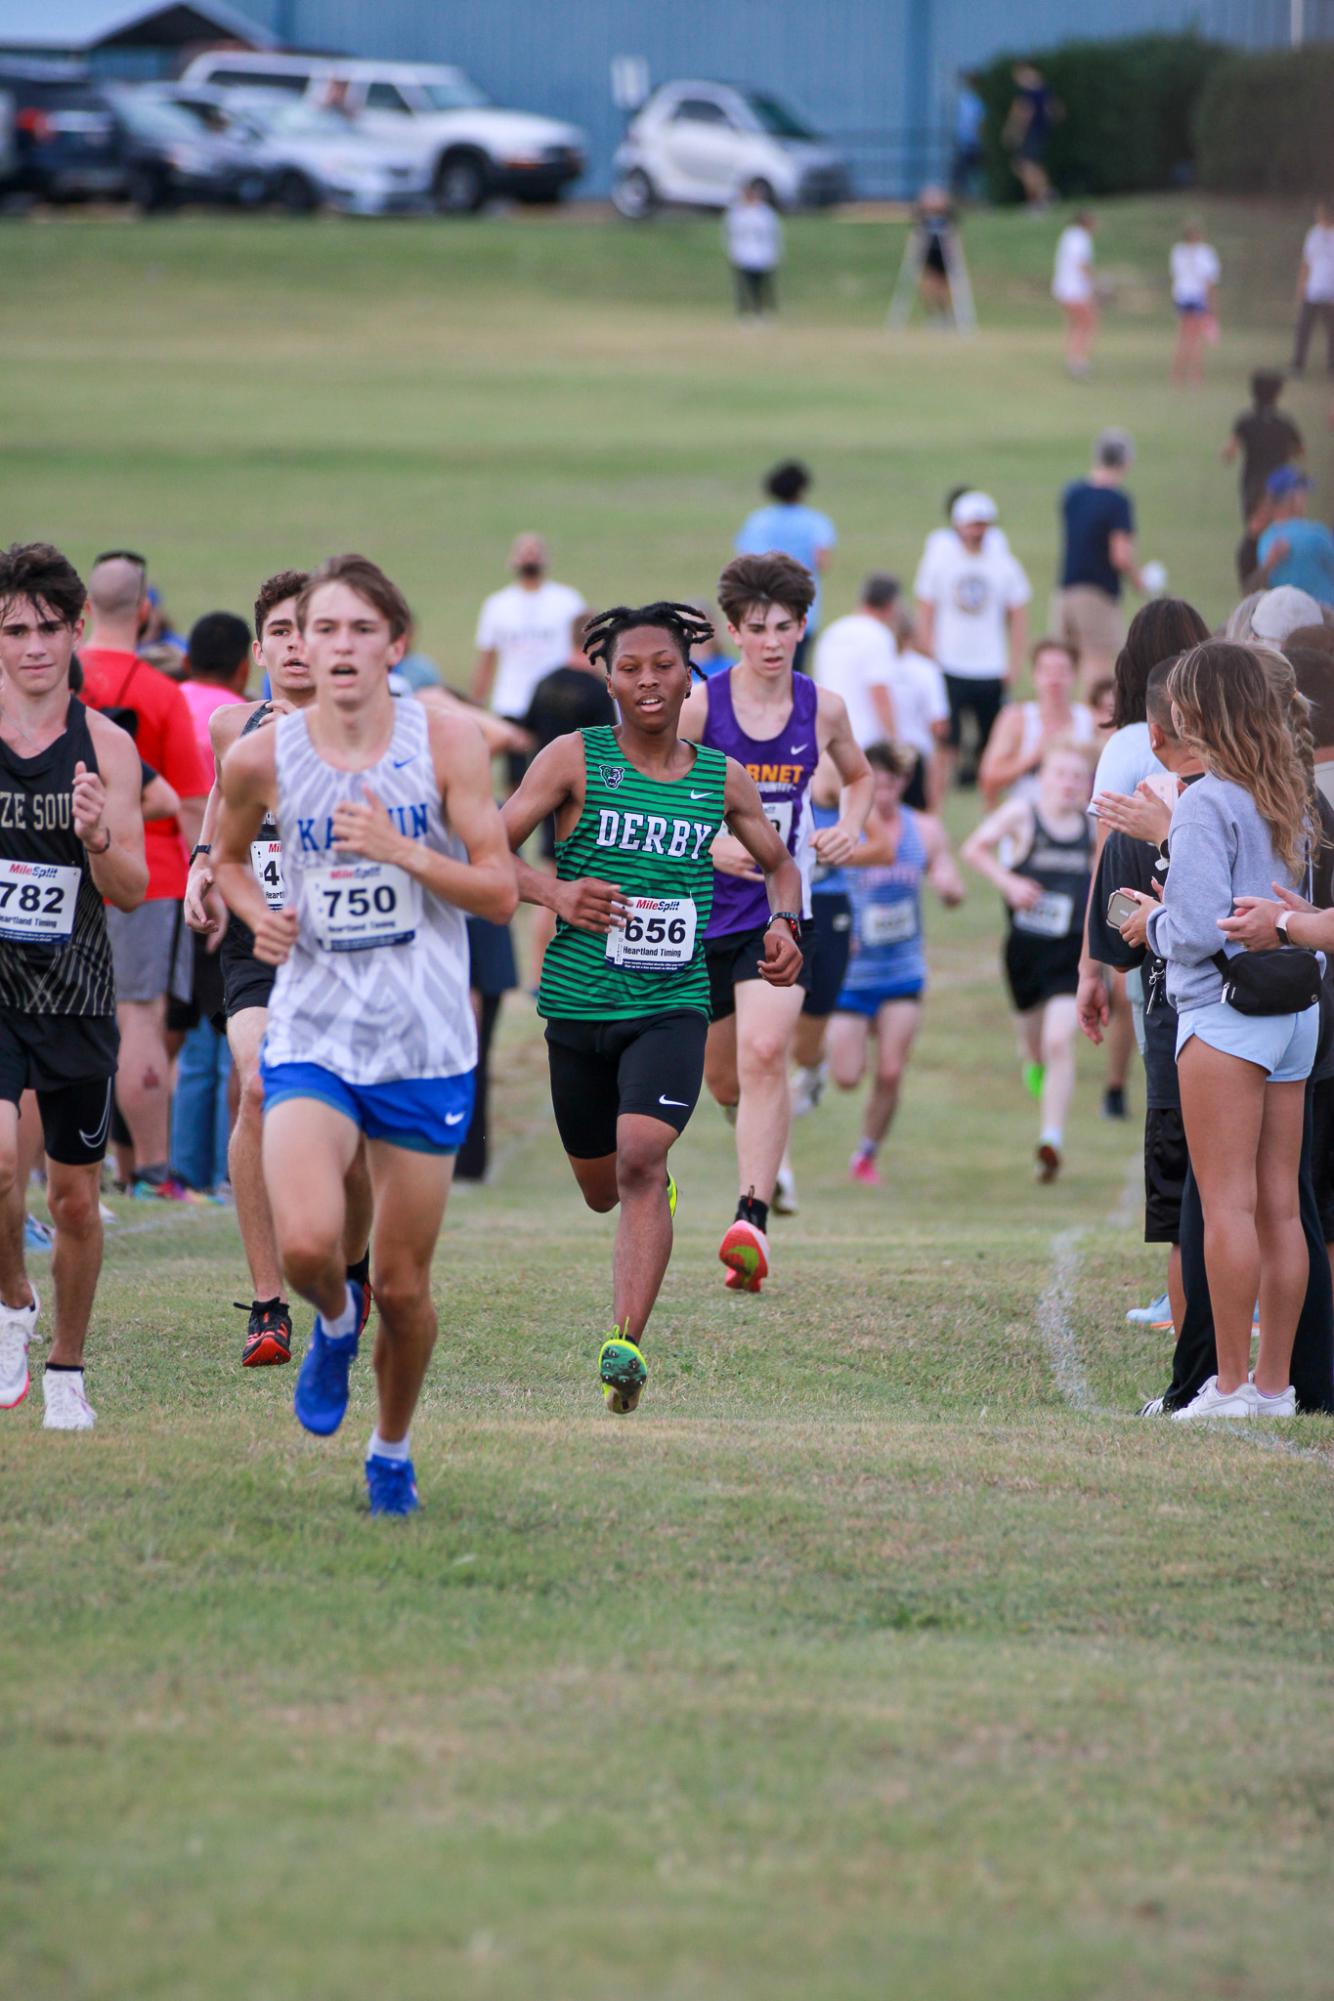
(150, 946)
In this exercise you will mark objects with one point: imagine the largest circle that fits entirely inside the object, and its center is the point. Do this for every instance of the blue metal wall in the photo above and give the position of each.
(877, 75)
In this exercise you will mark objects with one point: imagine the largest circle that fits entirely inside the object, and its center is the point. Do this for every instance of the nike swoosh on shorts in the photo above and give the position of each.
(682, 1102)
(453, 1118)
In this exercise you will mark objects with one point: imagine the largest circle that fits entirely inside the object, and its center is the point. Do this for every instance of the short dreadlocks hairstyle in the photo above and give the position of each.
(687, 627)
(276, 590)
(38, 572)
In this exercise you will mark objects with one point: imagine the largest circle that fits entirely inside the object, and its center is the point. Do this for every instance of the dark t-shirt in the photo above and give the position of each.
(1268, 440)
(1092, 515)
(1127, 864)
(569, 698)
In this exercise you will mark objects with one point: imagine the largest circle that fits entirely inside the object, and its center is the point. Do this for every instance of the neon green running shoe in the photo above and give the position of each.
(671, 1194)
(623, 1372)
(1033, 1076)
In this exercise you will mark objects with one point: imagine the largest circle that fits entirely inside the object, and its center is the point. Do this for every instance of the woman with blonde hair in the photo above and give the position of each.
(1245, 825)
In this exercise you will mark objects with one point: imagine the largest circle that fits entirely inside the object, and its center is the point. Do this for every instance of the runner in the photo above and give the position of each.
(1045, 891)
(625, 983)
(886, 974)
(389, 835)
(71, 840)
(247, 984)
(776, 724)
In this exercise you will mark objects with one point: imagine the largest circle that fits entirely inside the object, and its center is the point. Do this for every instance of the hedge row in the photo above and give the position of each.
(1264, 125)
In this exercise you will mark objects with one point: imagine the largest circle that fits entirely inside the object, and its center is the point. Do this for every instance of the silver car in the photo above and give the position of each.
(697, 143)
(317, 158)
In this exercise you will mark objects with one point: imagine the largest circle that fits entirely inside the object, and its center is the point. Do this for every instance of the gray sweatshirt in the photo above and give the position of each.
(1219, 849)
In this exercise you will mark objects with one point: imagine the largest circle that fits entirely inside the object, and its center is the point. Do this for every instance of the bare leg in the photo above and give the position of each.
(1059, 1028)
(720, 1072)
(847, 1049)
(76, 1261)
(766, 1019)
(245, 1032)
(14, 1287)
(1223, 1105)
(1285, 1266)
(30, 1140)
(410, 1192)
(1120, 1035)
(809, 1045)
(896, 1025)
(360, 1198)
(1029, 1029)
(142, 1079)
(1176, 1290)
(308, 1150)
(644, 1227)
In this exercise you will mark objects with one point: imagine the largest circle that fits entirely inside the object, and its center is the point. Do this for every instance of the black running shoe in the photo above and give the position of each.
(268, 1334)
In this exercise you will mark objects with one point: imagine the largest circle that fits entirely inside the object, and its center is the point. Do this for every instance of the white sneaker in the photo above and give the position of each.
(1154, 1407)
(1283, 1405)
(17, 1326)
(785, 1192)
(67, 1408)
(1211, 1402)
(808, 1088)
(1146, 1316)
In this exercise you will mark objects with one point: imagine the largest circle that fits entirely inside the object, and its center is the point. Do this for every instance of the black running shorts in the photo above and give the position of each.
(1165, 1161)
(653, 1067)
(246, 980)
(1038, 969)
(735, 958)
(827, 942)
(70, 1062)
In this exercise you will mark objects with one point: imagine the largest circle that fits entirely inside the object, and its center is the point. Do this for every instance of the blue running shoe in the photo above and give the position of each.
(1156, 1311)
(320, 1400)
(36, 1235)
(392, 1486)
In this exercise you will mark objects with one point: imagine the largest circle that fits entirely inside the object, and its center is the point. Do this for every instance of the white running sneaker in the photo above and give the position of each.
(67, 1408)
(17, 1327)
(808, 1087)
(1283, 1405)
(1155, 1407)
(785, 1192)
(1212, 1402)
(1157, 1309)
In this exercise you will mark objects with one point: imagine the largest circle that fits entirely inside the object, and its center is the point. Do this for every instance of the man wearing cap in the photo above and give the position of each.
(1099, 555)
(1292, 549)
(971, 617)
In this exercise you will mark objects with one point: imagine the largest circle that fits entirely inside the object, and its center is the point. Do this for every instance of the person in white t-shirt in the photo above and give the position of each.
(1195, 274)
(971, 619)
(522, 632)
(753, 234)
(1315, 288)
(1075, 292)
(921, 712)
(855, 658)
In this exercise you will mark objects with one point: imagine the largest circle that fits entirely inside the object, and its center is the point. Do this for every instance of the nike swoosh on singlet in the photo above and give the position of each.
(400, 762)
(699, 795)
(797, 749)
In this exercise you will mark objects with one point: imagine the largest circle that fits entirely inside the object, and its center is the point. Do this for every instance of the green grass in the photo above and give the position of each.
(860, 1661)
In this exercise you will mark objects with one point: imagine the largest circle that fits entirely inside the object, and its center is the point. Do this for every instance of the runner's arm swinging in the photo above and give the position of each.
(553, 781)
(248, 790)
(744, 812)
(108, 815)
(834, 844)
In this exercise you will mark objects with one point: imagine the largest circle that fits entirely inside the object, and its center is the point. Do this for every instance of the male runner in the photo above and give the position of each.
(389, 836)
(775, 723)
(625, 987)
(247, 982)
(71, 835)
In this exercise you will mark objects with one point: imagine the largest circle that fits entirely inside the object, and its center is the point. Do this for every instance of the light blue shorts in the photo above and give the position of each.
(1282, 1044)
(421, 1114)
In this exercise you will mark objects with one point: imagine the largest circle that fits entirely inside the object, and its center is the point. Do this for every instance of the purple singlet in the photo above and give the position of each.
(782, 768)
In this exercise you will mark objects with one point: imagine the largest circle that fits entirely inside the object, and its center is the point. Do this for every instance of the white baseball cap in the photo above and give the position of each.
(973, 507)
(1282, 611)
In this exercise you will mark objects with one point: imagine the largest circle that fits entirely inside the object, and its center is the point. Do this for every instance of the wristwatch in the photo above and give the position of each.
(1281, 925)
(791, 918)
(200, 848)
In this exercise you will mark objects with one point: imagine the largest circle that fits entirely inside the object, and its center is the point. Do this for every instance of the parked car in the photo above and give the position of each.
(473, 149)
(317, 158)
(170, 157)
(696, 143)
(64, 143)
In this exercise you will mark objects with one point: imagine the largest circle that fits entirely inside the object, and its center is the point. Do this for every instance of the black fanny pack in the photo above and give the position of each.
(1283, 981)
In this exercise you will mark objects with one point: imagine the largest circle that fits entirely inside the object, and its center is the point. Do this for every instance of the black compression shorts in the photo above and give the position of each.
(736, 958)
(70, 1062)
(652, 1067)
(828, 941)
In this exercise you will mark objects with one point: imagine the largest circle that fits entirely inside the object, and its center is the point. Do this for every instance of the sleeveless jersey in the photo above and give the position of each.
(826, 881)
(782, 767)
(266, 859)
(1062, 869)
(1083, 730)
(376, 985)
(55, 956)
(653, 838)
(887, 950)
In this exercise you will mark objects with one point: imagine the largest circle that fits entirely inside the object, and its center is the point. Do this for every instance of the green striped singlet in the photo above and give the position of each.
(653, 839)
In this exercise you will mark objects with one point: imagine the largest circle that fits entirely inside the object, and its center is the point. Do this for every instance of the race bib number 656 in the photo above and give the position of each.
(658, 935)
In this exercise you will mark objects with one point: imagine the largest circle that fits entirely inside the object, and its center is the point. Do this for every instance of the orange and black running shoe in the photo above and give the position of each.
(268, 1334)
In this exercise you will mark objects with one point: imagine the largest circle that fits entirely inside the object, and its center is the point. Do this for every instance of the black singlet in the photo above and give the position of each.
(55, 956)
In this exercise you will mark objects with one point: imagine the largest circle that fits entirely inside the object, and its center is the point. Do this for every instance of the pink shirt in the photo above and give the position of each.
(202, 698)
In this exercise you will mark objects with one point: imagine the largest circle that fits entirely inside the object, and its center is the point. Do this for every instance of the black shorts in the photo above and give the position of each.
(828, 941)
(1165, 1163)
(914, 792)
(246, 980)
(652, 1067)
(980, 699)
(70, 1062)
(736, 958)
(1322, 1153)
(1038, 969)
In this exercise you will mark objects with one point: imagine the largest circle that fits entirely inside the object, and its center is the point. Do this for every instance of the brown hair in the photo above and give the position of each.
(898, 759)
(753, 583)
(1234, 716)
(37, 571)
(1053, 645)
(276, 590)
(1159, 630)
(368, 580)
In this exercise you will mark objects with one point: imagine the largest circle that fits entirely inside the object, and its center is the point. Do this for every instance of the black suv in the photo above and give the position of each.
(65, 146)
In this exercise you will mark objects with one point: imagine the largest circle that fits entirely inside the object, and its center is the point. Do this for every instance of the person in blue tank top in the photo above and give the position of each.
(886, 974)
(777, 724)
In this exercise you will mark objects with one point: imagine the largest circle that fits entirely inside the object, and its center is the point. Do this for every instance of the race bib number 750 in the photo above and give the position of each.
(354, 906)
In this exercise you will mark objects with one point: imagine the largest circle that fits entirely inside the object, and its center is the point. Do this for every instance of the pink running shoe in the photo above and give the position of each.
(862, 1168)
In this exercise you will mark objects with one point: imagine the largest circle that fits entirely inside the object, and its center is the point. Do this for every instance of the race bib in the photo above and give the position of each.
(1052, 916)
(266, 859)
(355, 906)
(778, 812)
(658, 935)
(888, 923)
(37, 902)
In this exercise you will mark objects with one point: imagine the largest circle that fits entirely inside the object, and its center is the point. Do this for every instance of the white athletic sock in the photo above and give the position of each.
(381, 1448)
(867, 1149)
(346, 1323)
(1052, 1136)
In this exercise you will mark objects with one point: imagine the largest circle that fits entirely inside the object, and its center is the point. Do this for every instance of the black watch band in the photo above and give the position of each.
(200, 848)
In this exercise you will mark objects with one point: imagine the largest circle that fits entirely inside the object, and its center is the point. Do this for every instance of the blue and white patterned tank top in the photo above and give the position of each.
(887, 950)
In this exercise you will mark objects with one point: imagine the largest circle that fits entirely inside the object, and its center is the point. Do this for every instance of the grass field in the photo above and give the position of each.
(884, 1651)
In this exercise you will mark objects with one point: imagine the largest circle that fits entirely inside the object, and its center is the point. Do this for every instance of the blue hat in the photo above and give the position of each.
(1288, 479)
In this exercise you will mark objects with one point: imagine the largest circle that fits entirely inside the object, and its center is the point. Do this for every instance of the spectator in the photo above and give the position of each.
(1098, 521)
(970, 115)
(855, 657)
(217, 661)
(521, 631)
(1075, 292)
(921, 711)
(790, 527)
(1195, 271)
(1102, 702)
(1266, 439)
(934, 225)
(971, 619)
(713, 658)
(1269, 616)
(1027, 131)
(417, 670)
(150, 946)
(573, 696)
(1294, 551)
(753, 233)
(1025, 729)
(1246, 556)
(1315, 288)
